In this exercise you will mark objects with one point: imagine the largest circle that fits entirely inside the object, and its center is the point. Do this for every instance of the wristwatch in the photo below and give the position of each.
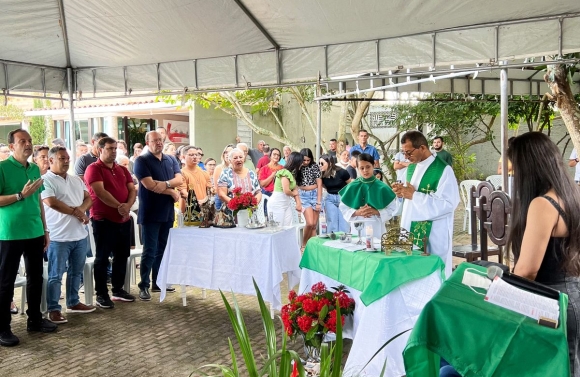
(168, 184)
(19, 196)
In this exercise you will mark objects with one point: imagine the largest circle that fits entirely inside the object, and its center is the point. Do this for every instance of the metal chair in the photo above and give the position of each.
(464, 188)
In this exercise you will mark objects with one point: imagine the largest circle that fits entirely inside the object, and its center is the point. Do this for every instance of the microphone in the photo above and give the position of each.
(523, 283)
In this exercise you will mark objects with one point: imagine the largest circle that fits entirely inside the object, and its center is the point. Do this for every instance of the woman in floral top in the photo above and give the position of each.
(310, 189)
(238, 176)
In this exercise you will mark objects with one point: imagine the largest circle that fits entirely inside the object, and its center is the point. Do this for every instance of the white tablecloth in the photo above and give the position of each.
(373, 325)
(227, 259)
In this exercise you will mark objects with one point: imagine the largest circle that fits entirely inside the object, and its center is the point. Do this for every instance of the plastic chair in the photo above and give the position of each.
(137, 252)
(495, 180)
(464, 188)
(260, 211)
(89, 270)
(21, 282)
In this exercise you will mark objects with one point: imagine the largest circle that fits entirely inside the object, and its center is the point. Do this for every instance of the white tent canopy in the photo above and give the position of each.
(151, 45)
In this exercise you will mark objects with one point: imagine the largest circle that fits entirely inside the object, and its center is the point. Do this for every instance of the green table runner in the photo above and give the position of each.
(374, 274)
(481, 339)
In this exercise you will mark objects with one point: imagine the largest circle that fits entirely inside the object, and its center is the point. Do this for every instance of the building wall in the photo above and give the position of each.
(487, 157)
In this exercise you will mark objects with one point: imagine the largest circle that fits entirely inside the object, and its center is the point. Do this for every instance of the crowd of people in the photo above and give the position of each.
(157, 180)
(154, 182)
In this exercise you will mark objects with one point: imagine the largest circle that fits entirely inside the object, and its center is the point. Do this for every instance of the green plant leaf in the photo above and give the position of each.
(323, 313)
(336, 368)
(384, 345)
(269, 329)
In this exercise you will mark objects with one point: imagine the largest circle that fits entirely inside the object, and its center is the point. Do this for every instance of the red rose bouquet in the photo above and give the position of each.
(313, 314)
(241, 201)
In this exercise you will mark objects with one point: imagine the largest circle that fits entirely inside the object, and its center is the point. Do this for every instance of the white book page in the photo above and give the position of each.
(529, 304)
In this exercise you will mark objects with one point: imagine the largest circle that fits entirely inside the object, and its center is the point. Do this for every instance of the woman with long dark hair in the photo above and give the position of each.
(285, 188)
(334, 179)
(310, 189)
(545, 225)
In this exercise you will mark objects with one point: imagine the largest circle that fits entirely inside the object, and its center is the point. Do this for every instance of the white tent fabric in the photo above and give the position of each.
(151, 45)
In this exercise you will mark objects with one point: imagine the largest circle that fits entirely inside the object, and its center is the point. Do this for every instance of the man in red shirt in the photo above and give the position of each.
(113, 193)
(265, 159)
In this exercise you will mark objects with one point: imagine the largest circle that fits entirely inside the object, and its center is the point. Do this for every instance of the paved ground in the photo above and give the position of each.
(141, 338)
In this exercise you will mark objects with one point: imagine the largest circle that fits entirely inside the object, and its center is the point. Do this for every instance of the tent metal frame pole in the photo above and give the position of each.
(318, 122)
(69, 72)
(504, 128)
(64, 34)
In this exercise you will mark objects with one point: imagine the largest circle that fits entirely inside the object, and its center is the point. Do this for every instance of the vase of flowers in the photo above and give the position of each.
(243, 205)
(313, 314)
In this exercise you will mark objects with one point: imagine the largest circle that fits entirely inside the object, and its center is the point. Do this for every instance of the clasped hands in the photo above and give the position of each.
(403, 191)
(366, 211)
(80, 215)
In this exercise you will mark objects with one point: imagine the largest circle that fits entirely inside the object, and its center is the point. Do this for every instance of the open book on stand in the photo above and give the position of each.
(543, 309)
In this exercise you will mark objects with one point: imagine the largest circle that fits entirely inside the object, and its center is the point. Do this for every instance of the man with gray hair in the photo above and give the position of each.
(248, 161)
(256, 154)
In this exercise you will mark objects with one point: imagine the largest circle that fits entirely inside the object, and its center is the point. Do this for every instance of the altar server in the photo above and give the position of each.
(368, 198)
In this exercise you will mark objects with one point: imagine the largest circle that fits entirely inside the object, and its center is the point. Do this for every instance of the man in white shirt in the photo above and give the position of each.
(400, 164)
(574, 163)
(66, 200)
(431, 195)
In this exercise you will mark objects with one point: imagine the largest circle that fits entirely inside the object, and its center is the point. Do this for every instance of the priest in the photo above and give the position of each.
(367, 198)
(430, 197)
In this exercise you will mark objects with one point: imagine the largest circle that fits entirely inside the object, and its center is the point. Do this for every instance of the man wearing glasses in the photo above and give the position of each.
(159, 175)
(430, 194)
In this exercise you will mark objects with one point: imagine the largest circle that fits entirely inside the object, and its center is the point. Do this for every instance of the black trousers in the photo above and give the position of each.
(111, 238)
(10, 254)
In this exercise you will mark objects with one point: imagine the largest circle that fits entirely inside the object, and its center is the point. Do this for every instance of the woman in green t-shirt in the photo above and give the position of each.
(280, 203)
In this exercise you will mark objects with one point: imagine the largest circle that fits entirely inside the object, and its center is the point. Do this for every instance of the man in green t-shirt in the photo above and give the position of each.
(442, 153)
(22, 232)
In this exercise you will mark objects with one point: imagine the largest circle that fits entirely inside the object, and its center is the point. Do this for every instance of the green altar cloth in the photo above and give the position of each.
(481, 339)
(374, 274)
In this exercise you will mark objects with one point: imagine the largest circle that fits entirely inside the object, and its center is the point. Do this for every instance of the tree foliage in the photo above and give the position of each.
(39, 131)
(266, 101)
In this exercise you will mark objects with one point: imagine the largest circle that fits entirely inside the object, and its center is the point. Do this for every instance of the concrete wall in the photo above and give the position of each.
(487, 157)
(211, 130)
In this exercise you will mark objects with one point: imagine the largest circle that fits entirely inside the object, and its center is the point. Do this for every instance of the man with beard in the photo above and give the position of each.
(113, 193)
(442, 153)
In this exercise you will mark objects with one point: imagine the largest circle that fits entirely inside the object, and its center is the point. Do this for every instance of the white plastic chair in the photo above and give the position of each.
(495, 180)
(89, 270)
(260, 211)
(137, 252)
(21, 282)
(464, 188)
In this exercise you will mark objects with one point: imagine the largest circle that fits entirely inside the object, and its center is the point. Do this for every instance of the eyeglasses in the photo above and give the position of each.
(408, 153)
(321, 163)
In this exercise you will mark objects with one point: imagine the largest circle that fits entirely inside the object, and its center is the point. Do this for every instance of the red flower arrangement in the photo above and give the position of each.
(313, 314)
(242, 201)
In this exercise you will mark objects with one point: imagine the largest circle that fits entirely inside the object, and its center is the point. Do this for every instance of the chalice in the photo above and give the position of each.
(359, 225)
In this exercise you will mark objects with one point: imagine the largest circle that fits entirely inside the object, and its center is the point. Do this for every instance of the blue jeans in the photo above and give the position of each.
(335, 222)
(73, 253)
(308, 198)
(447, 370)
(154, 236)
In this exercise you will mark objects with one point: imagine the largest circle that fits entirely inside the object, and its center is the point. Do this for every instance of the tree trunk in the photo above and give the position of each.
(342, 127)
(359, 113)
(557, 79)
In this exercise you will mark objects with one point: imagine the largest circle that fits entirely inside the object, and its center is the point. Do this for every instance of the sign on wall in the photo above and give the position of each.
(177, 131)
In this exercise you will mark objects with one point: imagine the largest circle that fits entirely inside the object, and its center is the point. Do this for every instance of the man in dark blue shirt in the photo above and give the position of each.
(158, 174)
